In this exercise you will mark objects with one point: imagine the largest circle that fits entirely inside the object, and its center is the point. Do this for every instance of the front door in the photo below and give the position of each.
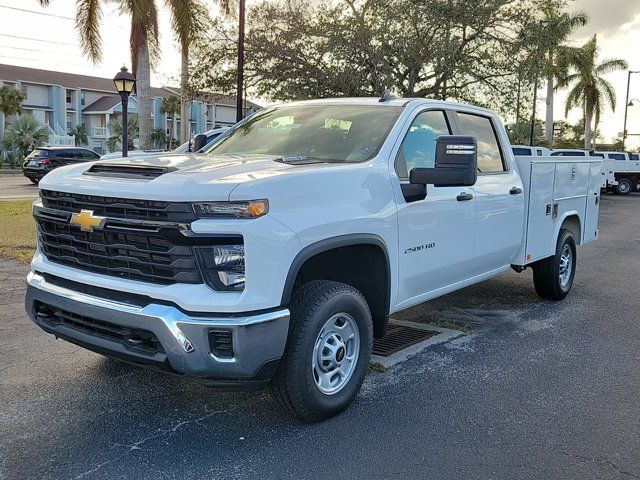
(499, 198)
(435, 232)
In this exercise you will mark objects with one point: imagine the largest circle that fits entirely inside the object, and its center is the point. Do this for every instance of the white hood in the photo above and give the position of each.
(190, 177)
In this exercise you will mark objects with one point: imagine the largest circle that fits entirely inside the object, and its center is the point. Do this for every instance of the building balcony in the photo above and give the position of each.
(100, 132)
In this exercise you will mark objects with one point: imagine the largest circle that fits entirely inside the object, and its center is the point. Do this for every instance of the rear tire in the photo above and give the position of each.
(328, 351)
(624, 186)
(553, 276)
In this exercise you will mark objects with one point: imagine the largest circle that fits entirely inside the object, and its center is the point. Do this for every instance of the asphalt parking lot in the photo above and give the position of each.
(538, 390)
(15, 185)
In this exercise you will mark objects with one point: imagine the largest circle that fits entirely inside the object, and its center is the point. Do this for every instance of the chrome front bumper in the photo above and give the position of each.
(258, 340)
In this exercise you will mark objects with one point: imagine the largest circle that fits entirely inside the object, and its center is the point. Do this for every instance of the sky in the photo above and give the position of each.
(37, 37)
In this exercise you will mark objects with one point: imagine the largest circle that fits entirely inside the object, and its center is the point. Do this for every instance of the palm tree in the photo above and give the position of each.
(10, 104)
(143, 44)
(556, 28)
(590, 90)
(171, 106)
(159, 138)
(188, 18)
(114, 142)
(81, 135)
(24, 134)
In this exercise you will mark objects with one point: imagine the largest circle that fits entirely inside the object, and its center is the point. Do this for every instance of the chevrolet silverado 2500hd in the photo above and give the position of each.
(276, 257)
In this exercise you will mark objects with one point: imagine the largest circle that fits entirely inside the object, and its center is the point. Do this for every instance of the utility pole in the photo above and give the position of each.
(626, 107)
(240, 79)
(533, 111)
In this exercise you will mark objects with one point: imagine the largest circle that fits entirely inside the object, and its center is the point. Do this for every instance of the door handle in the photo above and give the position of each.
(464, 196)
(515, 191)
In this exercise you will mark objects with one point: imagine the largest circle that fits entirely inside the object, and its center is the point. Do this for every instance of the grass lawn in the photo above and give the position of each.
(17, 230)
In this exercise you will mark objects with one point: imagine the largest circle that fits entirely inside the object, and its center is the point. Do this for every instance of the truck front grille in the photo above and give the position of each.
(133, 243)
(178, 212)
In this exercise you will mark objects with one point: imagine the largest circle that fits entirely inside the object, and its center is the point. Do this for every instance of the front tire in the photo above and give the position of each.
(553, 276)
(328, 351)
(624, 187)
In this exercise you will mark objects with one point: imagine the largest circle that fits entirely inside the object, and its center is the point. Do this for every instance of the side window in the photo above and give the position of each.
(617, 156)
(539, 153)
(489, 154)
(418, 148)
(521, 151)
(634, 156)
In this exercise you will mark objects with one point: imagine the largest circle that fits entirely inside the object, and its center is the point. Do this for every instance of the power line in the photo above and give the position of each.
(37, 40)
(40, 61)
(24, 49)
(36, 12)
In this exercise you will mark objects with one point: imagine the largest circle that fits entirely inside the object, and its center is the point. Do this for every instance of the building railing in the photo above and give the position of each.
(102, 132)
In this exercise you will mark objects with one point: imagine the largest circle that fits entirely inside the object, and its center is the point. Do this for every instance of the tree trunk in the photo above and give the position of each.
(143, 88)
(548, 121)
(184, 101)
(588, 115)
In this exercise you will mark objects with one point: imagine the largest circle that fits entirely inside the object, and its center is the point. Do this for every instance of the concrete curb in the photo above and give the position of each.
(444, 335)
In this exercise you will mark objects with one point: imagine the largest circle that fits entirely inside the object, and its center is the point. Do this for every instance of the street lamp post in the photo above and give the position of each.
(240, 76)
(626, 107)
(124, 82)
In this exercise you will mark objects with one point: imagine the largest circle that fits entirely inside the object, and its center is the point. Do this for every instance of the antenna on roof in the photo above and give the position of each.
(386, 97)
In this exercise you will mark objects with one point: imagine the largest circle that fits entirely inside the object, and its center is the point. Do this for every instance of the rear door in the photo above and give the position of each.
(499, 198)
(436, 231)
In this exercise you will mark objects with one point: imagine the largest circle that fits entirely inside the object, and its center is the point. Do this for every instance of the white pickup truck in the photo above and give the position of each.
(275, 258)
(620, 172)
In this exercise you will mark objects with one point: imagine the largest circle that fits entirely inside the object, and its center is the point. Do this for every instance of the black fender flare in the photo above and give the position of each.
(327, 244)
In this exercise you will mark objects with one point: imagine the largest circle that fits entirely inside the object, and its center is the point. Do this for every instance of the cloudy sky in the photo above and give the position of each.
(32, 36)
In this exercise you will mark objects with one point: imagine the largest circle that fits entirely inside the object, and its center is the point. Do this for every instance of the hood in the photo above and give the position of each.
(177, 177)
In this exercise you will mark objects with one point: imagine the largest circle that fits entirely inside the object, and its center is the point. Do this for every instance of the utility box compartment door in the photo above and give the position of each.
(571, 180)
(592, 209)
(540, 221)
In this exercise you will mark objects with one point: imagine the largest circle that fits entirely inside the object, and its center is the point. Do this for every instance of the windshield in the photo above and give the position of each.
(337, 133)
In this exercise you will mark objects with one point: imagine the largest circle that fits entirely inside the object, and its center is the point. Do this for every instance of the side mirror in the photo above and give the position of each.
(456, 163)
(199, 141)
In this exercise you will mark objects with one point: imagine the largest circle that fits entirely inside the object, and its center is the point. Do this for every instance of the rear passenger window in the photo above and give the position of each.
(524, 152)
(489, 154)
(418, 148)
(633, 156)
(617, 156)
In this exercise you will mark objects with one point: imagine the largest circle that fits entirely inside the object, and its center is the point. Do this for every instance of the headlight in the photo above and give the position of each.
(245, 209)
(223, 266)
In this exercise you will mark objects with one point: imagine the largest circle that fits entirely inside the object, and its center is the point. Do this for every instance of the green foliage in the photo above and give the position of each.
(520, 133)
(114, 142)
(468, 51)
(159, 138)
(171, 106)
(10, 100)
(81, 135)
(591, 92)
(24, 133)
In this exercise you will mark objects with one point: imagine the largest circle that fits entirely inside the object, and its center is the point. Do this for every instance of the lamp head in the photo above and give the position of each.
(124, 81)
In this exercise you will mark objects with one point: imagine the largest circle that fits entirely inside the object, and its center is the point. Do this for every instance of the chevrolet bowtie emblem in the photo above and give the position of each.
(87, 221)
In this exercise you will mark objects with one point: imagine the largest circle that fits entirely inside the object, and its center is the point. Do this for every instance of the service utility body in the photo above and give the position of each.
(276, 257)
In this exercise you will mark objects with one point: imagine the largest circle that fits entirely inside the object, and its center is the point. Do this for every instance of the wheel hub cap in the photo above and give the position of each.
(335, 353)
(566, 265)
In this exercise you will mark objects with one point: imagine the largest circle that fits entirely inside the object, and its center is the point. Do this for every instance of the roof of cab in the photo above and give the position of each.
(381, 101)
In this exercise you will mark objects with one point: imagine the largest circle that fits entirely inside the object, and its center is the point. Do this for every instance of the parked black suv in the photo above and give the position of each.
(42, 160)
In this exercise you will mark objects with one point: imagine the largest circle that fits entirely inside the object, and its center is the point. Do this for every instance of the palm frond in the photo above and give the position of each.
(611, 65)
(88, 19)
(606, 91)
(575, 98)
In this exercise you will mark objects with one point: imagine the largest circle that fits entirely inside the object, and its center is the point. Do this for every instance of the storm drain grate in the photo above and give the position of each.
(399, 337)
